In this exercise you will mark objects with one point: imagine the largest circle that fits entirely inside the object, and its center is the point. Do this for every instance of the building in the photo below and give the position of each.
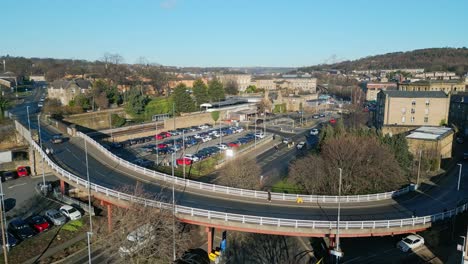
(297, 83)
(401, 111)
(451, 86)
(437, 76)
(266, 83)
(65, 90)
(372, 88)
(458, 114)
(187, 80)
(432, 143)
(242, 81)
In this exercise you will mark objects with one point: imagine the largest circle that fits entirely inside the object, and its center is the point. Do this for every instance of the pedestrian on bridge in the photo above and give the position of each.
(269, 196)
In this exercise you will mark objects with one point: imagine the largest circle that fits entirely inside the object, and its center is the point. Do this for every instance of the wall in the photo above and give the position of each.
(437, 111)
(94, 120)
(192, 119)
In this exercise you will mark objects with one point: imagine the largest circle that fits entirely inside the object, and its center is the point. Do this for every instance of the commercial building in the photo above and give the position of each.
(432, 143)
(242, 81)
(266, 83)
(372, 88)
(458, 114)
(401, 111)
(292, 82)
(65, 90)
(449, 86)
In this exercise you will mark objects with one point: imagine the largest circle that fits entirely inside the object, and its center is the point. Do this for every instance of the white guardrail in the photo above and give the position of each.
(249, 219)
(243, 192)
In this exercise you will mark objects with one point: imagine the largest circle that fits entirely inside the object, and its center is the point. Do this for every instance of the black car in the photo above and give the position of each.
(11, 240)
(57, 138)
(20, 229)
(115, 145)
(8, 175)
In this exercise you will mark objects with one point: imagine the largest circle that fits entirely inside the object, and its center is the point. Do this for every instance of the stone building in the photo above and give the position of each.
(65, 90)
(449, 86)
(242, 81)
(372, 88)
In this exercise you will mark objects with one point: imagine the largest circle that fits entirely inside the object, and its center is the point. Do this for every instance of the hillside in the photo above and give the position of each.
(433, 59)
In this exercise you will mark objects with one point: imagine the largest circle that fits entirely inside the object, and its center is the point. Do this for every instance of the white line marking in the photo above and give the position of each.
(16, 185)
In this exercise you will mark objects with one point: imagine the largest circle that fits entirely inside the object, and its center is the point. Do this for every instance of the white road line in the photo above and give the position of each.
(16, 185)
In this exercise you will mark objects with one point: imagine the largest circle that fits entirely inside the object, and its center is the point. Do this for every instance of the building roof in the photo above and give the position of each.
(83, 84)
(429, 82)
(429, 133)
(415, 94)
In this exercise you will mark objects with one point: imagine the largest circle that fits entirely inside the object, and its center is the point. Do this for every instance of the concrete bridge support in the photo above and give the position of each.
(62, 187)
(210, 235)
(109, 214)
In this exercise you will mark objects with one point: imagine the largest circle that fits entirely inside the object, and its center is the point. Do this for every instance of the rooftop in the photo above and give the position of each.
(429, 133)
(416, 94)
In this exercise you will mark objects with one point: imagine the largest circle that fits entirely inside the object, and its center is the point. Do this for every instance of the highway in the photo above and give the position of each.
(105, 172)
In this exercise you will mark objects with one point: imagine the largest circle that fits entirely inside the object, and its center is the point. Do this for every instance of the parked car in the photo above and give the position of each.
(57, 138)
(55, 217)
(314, 131)
(222, 146)
(206, 139)
(410, 242)
(191, 157)
(20, 229)
(322, 115)
(183, 161)
(22, 171)
(234, 144)
(8, 175)
(70, 212)
(11, 240)
(39, 223)
(300, 145)
(137, 239)
(287, 140)
(333, 121)
(260, 135)
(316, 116)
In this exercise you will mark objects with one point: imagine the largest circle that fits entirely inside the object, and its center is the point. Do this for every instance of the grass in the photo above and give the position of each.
(195, 170)
(284, 186)
(73, 226)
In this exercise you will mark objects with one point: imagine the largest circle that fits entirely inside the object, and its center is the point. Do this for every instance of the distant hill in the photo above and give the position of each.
(433, 59)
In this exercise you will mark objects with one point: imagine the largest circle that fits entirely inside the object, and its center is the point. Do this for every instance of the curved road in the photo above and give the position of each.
(106, 172)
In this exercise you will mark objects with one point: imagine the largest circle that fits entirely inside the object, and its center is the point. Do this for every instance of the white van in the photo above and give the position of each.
(137, 239)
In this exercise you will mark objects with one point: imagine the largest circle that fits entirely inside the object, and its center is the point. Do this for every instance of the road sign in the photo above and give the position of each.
(336, 253)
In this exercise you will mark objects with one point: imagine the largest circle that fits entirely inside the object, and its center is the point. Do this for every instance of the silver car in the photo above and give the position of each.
(55, 217)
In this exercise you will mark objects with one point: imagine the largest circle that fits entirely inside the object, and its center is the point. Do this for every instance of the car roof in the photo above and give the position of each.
(413, 237)
(66, 207)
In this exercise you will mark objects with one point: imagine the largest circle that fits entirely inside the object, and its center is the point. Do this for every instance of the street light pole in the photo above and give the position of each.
(183, 152)
(29, 122)
(110, 126)
(338, 219)
(3, 224)
(459, 176)
(88, 234)
(255, 132)
(463, 250)
(173, 210)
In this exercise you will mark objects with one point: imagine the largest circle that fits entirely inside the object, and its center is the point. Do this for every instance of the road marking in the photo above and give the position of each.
(16, 185)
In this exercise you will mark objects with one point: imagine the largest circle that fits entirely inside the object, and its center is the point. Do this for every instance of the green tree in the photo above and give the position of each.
(215, 115)
(215, 90)
(183, 101)
(200, 92)
(159, 105)
(136, 102)
(4, 104)
(82, 101)
(251, 89)
(117, 121)
(399, 146)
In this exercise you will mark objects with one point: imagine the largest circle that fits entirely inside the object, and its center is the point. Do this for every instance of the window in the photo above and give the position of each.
(403, 110)
(413, 102)
(426, 111)
(426, 119)
(427, 102)
(412, 119)
(403, 119)
(413, 110)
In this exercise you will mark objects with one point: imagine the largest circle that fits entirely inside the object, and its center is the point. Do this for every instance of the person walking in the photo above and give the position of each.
(47, 151)
(269, 196)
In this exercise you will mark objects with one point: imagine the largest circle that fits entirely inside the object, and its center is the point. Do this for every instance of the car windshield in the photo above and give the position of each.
(38, 220)
(408, 241)
(71, 211)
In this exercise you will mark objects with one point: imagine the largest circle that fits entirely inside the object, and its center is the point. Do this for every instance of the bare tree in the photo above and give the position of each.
(241, 173)
(144, 234)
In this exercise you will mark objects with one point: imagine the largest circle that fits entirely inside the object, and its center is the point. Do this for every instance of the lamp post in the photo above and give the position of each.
(3, 224)
(29, 122)
(173, 209)
(463, 249)
(255, 131)
(89, 203)
(110, 126)
(183, 152)
(40, 144)
(337, 248)
(459, 176)
(157, 145)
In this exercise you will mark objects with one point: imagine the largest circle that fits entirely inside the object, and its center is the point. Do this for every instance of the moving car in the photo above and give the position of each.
(287, 140)
(55, 217)
(57, 139)
(22, 171)
(410, 242)
(20, 229)
(314, 131)
(70, 212)
(300, 145)
(39, 223)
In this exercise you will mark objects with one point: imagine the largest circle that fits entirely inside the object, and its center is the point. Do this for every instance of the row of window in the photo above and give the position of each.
(414, 102)
(403, 110)
(403, 119)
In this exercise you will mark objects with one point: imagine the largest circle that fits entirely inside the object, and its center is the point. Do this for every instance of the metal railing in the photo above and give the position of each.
(208, 187)
(184, 211)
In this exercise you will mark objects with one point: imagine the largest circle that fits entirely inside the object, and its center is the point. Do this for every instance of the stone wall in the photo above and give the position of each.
(192, 119)
(95, 120)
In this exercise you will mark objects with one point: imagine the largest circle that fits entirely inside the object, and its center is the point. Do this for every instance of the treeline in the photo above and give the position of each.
(433, 59)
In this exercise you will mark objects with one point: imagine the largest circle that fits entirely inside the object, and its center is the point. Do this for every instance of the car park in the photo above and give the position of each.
(70, 212)
(20, 229)
(410, 242)
(57, 139)
(39, 223)
(234, 144)
(55, 217)
(22, 171)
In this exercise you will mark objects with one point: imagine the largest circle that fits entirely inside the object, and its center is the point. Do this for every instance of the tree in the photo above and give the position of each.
(159, 105)
(264, 106)
(4, 104)
(215, 115)
(399, 146)
(183, 101)
(251, 89)
(136, 102)
(155, 227)
(215, 90)
(117, 121)
(241, 173)
(200, 92)
(82, 101)
(231, 88)
(101, 101)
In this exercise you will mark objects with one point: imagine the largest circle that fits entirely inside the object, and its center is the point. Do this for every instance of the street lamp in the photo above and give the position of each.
(29, 122)
(459, 176)
(255, 131)
(40, 144)
(419, 169)
(89, 203)
(3, 224)
(337, 248)
(173, 209)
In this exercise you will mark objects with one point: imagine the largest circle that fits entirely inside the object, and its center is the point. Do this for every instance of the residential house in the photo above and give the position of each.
(372, 88)
(66, 90)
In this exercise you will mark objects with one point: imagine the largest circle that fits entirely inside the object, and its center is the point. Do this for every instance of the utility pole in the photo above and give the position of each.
(40, 144)
(3, 224)
(90, 232)
(183, 151)
(459, 176)
(338, 252)
(255, 132)
(173, 210)
(110, 126)
(419, 169)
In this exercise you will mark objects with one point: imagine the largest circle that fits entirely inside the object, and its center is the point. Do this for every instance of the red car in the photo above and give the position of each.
(234, 144)
(22, 171)
(184, 161)
(162, 145)
(159, 137)
(332, 121)
(39, 223)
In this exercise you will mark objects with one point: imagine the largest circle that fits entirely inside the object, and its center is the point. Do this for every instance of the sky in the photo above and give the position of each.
(236, 33)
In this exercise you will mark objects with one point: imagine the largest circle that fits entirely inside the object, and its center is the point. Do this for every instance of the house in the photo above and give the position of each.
(372, 88)
(66, 90)
(447, 86)
(401, 111)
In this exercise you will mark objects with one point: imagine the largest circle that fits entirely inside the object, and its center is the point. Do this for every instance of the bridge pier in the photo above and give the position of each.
(210, 235)
(62, 187)
(109, 214)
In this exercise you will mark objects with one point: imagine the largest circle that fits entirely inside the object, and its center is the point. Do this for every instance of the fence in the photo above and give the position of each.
(243, 192)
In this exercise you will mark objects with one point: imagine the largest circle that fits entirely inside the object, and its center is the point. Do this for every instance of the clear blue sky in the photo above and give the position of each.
(229, 33)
